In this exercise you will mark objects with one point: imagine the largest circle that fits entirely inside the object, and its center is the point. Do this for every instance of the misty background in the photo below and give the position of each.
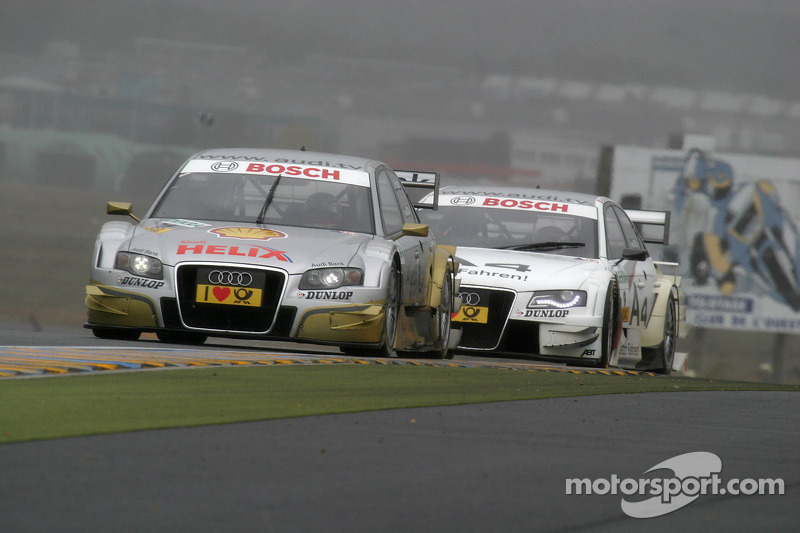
(518, 90)
(102, 100)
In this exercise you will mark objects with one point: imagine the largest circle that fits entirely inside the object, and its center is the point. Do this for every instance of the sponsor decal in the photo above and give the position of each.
(526, 204)
(317, 163)
(629, 349)
(140, 282)
(252, 251)
(546, 313)
(325, 264)
(472, 314)
(261, 234)
(544, 203)
(466, 271)
(314, 170)
(462, 200)
(144, 251)
(294, 170)
(185, 223)
(549, 197)
(325, 295)
(156, 230)
(224, 166)
(217, 294)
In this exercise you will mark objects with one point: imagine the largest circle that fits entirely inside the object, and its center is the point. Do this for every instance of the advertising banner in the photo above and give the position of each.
(734, 230)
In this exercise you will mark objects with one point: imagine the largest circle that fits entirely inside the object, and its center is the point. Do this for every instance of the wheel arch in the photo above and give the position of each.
(443, 264)
(653, 334)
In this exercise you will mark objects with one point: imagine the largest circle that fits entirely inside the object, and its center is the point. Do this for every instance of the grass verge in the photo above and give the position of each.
(32, 409)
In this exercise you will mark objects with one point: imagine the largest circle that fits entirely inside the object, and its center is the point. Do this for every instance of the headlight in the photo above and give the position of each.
(331, 278)
(557, 299)
(139, 265)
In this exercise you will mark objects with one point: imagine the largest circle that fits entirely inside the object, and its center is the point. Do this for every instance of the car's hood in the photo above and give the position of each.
(292, 248)
(523, 271)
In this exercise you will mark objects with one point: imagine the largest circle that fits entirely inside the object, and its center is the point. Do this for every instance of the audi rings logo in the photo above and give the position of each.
(224, 166)
(225, 277)
(469, 298)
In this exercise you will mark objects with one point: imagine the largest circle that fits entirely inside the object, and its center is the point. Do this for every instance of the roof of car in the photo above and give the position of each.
(522, 192)
(299, 157)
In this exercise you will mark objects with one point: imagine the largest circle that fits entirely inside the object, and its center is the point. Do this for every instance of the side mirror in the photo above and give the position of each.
(634, 254)
(416, 230)
(121, 208)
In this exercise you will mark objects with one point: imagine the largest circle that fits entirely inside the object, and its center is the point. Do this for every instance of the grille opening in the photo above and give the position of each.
(487, 336)
(225, 317)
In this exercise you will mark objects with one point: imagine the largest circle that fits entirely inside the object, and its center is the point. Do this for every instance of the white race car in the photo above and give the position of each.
(560, 276)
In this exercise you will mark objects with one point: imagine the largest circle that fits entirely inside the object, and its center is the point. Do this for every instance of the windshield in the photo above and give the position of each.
(266, 199)
(513, 230)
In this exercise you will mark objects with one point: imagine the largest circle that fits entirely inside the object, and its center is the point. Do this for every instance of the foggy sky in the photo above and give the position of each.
(726, 45)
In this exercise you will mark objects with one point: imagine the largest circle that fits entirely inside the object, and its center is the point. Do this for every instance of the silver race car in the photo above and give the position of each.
(277, 244)
(560, 276)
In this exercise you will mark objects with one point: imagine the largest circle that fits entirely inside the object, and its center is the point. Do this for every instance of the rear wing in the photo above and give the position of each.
(419, 184)
(653, 225)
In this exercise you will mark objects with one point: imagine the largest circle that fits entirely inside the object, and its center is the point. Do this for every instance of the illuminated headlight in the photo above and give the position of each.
(557, 299)
(331, 278)
(140, 265)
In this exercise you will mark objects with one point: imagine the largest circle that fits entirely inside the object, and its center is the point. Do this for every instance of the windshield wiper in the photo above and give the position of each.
(270, 195)
(549, 245)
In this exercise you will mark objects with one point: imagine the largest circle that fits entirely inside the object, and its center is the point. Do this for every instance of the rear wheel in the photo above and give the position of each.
(661, 357)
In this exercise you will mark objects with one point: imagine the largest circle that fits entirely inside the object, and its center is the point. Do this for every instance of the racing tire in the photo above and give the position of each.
(610, 326)
(181, 337)
(392, 313)
(660, 358)
(444, 314)
(116, 334)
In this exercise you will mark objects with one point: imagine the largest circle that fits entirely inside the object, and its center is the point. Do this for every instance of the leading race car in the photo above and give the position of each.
(277, 244)
(561, 276)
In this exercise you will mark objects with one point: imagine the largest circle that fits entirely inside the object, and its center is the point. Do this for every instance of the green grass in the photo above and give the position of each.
(32, 409)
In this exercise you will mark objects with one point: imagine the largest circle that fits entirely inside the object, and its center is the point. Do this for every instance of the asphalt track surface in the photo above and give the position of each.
(487, 467)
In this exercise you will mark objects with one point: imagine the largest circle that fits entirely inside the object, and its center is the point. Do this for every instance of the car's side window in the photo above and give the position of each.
(391, 215)
(406, 208)
(632, 239)
(615, 239)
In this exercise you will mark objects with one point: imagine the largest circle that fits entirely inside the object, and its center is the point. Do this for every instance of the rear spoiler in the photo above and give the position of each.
(418, 185)
(653, 225)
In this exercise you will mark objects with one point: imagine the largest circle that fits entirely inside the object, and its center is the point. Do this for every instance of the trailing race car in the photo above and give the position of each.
(277, 244)
(560, 276)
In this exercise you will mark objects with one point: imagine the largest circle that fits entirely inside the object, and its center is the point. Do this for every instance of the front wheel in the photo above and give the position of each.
(444, 314)
(391, 313)
(609, 327)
